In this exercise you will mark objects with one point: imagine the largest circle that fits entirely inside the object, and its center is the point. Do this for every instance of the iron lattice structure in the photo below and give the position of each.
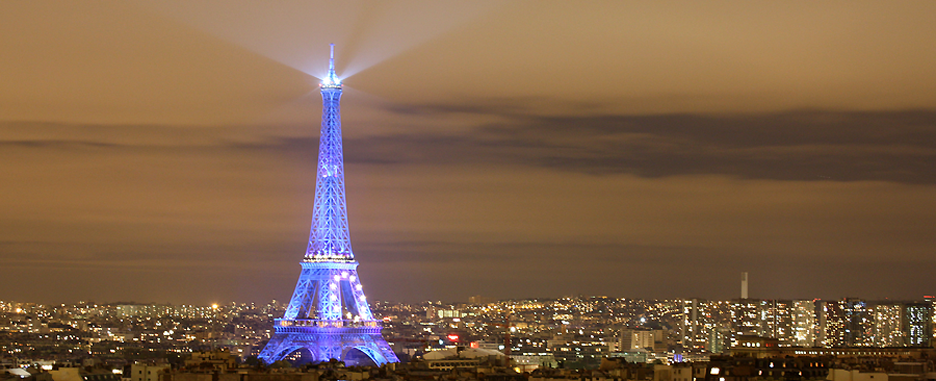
(328, 314)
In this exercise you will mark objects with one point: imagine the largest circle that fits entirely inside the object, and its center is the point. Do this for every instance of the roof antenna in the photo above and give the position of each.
(331, 61)
(331, 79)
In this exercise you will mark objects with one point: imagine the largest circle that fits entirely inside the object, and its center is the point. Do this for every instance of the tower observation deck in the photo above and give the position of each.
(328, 316)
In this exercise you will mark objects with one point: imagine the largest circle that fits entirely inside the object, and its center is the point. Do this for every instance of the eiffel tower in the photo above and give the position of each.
(328, 315)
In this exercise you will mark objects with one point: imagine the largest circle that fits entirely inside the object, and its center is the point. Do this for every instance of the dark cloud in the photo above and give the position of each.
(807, 145)
(898, 146)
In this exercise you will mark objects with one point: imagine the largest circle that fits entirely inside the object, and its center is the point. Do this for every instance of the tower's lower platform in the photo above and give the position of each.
(326, 340)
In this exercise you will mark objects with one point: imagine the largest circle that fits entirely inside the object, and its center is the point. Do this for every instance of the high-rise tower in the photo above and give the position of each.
(328, 315)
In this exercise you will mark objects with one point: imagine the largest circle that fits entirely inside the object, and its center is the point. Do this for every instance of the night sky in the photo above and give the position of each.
(164, 151)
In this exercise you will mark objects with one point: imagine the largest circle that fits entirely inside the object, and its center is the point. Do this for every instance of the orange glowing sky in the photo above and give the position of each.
(163, 151)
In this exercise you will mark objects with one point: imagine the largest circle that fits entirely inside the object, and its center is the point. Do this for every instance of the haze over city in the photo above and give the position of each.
(164, 151)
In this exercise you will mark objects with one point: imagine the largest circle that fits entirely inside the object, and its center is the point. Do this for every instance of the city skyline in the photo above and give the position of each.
(165, 151)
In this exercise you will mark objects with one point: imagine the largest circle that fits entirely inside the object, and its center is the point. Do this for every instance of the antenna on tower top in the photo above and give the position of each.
(331, 79)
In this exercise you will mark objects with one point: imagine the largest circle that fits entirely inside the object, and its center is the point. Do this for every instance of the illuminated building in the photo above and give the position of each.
(855, 323)
(887, 325)
(722, 368)
(719, 339)
(746, 319)
(846, 323)
(690, 327)
(832, 325)
(632, 339)
(328, 316)
(778, 319)
(802, 333)
(147, 372)
(699, 319)
(790, 321)
(918, 324)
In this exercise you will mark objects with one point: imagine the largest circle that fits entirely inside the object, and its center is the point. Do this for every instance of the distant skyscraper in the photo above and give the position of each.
(778, 320)
(328, 316)
(887, 325)
(744, 285)
(846, 323)
(691, 329)
(803, 331)
(791, 322)
(746, 318)
(700, 319)
(918, 324)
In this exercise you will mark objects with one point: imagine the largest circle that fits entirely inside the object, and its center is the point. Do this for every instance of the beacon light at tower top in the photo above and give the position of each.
(331, 79)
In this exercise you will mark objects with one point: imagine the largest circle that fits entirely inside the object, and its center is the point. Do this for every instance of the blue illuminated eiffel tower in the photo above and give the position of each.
(328, 314)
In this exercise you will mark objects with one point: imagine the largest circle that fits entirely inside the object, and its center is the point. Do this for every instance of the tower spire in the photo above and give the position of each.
(331, 79)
